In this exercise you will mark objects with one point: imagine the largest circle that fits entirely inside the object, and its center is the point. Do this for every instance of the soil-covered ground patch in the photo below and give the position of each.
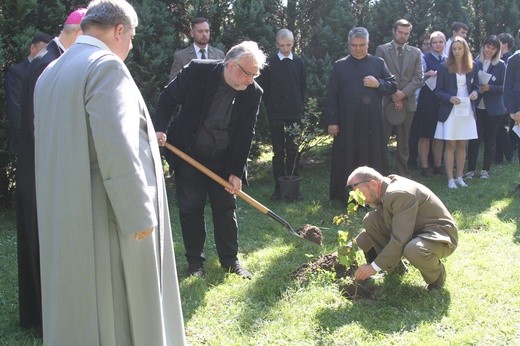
(311, 233)
(348, 287)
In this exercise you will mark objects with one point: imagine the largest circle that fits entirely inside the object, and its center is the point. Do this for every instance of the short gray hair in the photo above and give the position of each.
(109, 13)
(248, 49)
(283, 34)
(365, 173)
(358, 32)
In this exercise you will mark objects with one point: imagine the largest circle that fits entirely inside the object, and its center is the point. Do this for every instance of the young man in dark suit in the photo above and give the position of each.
(199, 49)
(284, 82)
(13, 88)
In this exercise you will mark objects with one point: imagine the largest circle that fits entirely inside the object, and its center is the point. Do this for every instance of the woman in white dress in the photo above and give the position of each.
(457, 89)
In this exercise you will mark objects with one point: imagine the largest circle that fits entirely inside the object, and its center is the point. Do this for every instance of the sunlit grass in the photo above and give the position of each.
(480, 304)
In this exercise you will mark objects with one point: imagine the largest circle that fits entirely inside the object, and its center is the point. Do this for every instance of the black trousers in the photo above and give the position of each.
(193, 187)
(285, 150)
(506, 141)
(487, 128)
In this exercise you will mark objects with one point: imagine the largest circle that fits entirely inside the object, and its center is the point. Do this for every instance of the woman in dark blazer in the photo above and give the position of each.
(428, 108)
(457, 85)
(490, 106)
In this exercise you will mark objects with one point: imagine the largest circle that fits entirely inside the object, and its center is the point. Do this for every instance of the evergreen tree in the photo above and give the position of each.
(248, 23)
(155, 41)
(320, 28)
(492, 18)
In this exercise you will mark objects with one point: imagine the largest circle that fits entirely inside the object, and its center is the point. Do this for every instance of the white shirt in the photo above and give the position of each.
(198, 53)
(281, 56)
(447, 47)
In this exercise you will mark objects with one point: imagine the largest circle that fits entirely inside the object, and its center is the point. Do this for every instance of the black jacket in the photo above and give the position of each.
(284, 83)
(13, 95)
(194, 89)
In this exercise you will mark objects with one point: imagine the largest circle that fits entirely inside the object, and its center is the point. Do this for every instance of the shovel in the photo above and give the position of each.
(259, 206)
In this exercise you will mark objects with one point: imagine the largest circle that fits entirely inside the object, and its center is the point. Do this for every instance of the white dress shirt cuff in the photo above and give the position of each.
(376, 268)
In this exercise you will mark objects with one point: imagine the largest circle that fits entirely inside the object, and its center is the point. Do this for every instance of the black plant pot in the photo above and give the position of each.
(289, 188)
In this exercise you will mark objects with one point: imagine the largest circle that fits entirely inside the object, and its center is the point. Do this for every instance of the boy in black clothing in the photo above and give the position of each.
(284, 84)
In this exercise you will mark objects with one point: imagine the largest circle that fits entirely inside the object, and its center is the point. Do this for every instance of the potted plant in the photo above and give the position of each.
(307, 134)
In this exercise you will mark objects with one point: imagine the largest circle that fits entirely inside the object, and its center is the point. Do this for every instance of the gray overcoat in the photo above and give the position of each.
(99, 181)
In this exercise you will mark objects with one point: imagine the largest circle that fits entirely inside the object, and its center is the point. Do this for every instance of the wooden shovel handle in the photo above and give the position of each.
(261, 208)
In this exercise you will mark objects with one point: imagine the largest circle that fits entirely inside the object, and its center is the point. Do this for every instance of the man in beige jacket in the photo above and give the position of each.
(405, 63)
(199, 49)
(409, 220)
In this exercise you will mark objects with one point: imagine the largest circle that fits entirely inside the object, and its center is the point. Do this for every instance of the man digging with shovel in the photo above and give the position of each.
(219, 105)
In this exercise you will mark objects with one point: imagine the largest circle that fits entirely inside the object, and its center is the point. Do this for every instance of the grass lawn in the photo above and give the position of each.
(479, 305)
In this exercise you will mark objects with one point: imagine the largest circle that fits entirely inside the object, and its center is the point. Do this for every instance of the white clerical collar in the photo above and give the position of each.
(281, 56)
(57, 40)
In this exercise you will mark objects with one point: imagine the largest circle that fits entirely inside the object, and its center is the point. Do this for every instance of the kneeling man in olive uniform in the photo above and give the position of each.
(409, 221)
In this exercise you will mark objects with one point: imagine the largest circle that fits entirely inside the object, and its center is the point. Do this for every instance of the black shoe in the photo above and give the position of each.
(439, 283)
(239, 270)
(276, 196)
(196, 270)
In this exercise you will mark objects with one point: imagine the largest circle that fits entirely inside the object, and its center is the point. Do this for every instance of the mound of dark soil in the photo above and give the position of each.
(311, 233)
(348, 287)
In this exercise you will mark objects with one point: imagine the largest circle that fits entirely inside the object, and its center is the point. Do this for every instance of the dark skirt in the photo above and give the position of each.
(427, 113)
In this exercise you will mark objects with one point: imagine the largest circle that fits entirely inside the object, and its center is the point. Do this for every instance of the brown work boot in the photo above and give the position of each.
(439, 283)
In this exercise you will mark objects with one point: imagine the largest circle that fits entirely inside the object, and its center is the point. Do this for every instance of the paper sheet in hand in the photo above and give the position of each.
(516, 130)
(431, 82)
(464, 108)
(484, 77)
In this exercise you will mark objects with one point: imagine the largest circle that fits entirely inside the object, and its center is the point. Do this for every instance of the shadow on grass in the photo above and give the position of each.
(398, 307)
(258, 233)
(272, 270)
(511, 211)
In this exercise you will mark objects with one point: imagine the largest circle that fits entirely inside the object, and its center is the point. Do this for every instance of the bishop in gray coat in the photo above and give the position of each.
(107, 264)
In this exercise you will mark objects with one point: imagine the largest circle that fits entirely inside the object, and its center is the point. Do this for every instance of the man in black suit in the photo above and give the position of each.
(13, 89)
(199, 49)
(26, 215)
(219, 105)
(506, 140)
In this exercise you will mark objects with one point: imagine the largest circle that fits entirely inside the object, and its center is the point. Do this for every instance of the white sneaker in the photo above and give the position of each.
(469, 175)
(484, 174)
(452, 184)
(461, 182)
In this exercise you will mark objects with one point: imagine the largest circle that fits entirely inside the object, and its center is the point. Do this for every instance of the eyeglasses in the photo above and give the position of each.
(353, 186)
(356, 46)
(249, 74)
